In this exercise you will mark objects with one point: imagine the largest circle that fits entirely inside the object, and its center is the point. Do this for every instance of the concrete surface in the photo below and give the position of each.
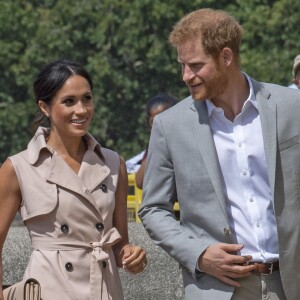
(161, 280)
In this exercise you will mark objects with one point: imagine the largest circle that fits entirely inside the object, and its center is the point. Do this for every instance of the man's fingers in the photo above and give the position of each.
(231, 248)
(229, 281)
(236, 274)
(237, 259)
(237, 270)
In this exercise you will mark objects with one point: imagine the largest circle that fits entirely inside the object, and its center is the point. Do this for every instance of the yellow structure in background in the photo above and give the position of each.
(134, 200)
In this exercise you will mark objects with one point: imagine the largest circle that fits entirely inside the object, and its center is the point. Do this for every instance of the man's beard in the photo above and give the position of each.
(211, 88)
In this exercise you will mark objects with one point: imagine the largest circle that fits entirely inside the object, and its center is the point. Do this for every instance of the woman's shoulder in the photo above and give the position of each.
(109, 154)
(110, 157)
(19, 157)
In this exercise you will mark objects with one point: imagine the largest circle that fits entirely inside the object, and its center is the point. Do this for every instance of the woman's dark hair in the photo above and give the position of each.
(50, 80)
(159, 99)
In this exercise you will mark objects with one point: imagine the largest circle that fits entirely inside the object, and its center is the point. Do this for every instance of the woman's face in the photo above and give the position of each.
(155, 111)
(71, 109)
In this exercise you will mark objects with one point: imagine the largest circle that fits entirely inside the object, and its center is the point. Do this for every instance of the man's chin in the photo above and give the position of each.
(198, 96)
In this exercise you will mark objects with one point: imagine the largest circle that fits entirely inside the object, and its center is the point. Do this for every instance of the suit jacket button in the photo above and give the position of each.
(103, 187)
(99, 226)
(64, 228)
(69, 267)
(227, 231)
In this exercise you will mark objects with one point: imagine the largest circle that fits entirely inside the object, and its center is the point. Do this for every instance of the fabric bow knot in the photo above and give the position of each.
(110, 238)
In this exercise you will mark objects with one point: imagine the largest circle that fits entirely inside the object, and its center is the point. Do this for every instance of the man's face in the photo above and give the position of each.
(204, 76)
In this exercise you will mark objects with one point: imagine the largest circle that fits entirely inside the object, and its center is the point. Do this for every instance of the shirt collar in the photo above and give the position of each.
(38, 142)
(250, 100)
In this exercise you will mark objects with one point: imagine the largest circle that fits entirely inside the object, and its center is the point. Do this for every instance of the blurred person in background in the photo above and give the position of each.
(154, 106)
(296, 73)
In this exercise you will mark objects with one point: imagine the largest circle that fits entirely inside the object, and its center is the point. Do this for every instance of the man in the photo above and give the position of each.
(296, 73)
(230, 154)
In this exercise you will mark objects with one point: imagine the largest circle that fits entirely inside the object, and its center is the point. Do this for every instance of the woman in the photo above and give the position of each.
(155, 106)
(71, 194)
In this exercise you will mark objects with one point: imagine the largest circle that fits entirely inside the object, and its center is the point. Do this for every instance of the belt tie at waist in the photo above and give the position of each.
(100, 252)
(108, 240)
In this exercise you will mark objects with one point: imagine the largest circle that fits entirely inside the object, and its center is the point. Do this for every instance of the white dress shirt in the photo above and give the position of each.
(240, 149)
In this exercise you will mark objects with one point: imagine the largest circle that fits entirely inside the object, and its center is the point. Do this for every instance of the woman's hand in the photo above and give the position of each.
(134, 259)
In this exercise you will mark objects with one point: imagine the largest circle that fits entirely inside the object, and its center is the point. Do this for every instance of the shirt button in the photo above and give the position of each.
(69, 267)
(244, 173)
(64, 228)
(240, 144)
(257, 225)
(99, 226)
(86, 191)
(103, 187)
(251, 199)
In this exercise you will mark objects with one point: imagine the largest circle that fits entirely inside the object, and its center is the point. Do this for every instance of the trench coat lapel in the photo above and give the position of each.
(93, 170)
(62, 175)
(203, 136)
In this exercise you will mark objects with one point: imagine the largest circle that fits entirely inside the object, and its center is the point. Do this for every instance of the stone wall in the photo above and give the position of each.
(160, 281)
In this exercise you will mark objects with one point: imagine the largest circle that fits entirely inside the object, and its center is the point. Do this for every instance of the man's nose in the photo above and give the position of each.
(187, 73)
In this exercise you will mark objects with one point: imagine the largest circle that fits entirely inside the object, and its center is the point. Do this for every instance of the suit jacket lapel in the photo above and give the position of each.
(207, 148)
(268, 117)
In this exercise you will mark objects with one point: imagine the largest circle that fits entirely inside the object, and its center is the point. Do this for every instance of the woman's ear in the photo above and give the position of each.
(44, 108)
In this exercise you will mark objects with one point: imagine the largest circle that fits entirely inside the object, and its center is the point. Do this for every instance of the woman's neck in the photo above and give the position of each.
(71, 150)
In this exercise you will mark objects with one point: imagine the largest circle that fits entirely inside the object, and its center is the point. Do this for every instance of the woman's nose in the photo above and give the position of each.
(80, 108)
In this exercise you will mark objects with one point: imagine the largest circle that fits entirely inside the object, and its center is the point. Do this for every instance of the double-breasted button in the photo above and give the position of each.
(64, 228)
(99, 226)
(103, 187)
(69, 266)
(104, 264)
(227, 231)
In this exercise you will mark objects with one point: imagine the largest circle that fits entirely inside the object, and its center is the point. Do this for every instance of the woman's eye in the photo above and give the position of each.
(68, 101)
(87, 98)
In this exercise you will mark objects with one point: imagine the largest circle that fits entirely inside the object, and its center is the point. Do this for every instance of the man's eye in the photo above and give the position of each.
(196, 66)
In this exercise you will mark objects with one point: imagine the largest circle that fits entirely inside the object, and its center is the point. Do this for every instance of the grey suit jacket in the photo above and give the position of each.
(183, 164)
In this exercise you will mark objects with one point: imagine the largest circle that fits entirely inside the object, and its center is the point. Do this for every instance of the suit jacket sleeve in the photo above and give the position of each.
(159, 195)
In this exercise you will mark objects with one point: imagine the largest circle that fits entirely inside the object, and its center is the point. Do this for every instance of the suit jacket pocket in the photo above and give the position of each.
(289, 143)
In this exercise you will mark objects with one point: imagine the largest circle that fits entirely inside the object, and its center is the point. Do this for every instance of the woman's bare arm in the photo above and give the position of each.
(10, 199)
(131, 257)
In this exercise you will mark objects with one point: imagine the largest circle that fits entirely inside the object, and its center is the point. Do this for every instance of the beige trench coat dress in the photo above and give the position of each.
(69, 219)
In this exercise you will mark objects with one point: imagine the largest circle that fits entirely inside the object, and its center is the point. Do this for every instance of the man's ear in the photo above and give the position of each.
(44, 108)
(227, 56)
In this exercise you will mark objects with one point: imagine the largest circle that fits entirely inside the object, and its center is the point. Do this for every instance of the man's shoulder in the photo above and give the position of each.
(275, 91)
(178, 109)
(271, 87)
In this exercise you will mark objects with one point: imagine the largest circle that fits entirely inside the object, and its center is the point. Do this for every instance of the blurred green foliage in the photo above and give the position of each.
(124, 46)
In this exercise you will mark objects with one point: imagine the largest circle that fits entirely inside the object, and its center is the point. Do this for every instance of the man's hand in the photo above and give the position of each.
(220, 260)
